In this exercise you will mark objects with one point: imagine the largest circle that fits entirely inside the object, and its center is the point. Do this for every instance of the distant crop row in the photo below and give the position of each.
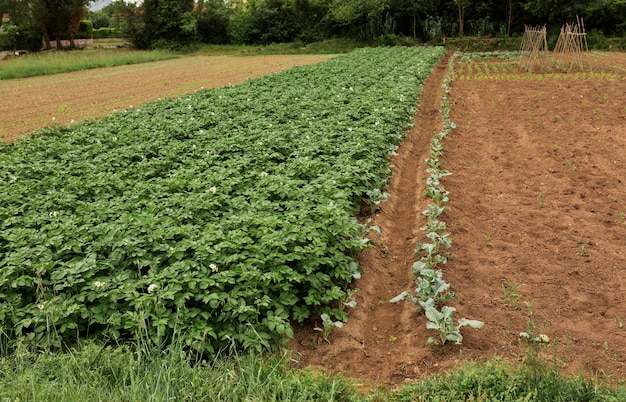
(217, 218)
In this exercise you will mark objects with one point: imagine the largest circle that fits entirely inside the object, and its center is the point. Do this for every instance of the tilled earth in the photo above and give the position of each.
(32, 103)
(537, 220)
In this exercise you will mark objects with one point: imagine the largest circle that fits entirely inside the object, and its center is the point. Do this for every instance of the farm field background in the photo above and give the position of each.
(537, 209)
(32, 103)
(220, 217)
(537, 222)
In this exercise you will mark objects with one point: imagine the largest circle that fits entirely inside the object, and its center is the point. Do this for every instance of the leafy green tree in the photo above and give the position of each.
(311, 16)
(99, 19)
(362, 15)
(213, 18)
(609, 16)
(126, 17)
(414, 12)
(8, 34)
(167, 24)
(555, 11)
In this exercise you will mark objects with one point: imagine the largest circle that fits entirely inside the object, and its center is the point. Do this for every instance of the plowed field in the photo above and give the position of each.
(32, 103)
(537, 221)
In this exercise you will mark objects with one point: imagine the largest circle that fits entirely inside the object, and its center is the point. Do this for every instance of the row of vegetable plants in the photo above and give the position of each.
(216, 219)
(432, 290)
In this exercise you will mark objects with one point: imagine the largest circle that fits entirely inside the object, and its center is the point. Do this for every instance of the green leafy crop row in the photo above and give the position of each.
(432, 290)
(218, 218)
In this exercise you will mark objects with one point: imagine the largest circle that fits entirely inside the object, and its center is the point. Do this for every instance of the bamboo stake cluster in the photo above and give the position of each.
(534, 44)
(569, 48)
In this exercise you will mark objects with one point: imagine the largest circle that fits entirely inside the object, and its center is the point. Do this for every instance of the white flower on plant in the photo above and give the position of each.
(98, 284)
(152, 288)
(213, 189)
(53, 214)
(263, 174)
(213, 268)
(114, 138)
(40, 306)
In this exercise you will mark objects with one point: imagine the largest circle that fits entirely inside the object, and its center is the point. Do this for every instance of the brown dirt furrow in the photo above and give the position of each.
(33, 103)
(537, 221)
(383, 342)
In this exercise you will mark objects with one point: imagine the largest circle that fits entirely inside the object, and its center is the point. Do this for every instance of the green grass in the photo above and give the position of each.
(94, 372)
(46, 63)
(134, 372)
(497, 380)
(331, 46)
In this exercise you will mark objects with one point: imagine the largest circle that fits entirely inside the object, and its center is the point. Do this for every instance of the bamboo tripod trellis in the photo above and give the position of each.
(571, 44)
(534, 44)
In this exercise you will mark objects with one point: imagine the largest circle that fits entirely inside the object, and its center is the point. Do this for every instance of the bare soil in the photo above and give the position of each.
(33, 103)
(538, 210)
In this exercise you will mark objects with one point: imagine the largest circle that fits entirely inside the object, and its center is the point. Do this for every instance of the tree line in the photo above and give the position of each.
(178, 23)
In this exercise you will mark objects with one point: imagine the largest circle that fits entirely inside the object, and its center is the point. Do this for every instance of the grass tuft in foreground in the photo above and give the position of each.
(136, 372)
(93, 372)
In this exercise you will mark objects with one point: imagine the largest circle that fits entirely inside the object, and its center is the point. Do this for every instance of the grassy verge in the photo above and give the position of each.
(94, 372)
(46, 63)
(134, 372)
(331, 46)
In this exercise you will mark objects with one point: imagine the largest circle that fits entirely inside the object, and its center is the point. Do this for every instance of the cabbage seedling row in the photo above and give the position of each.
(216, 219)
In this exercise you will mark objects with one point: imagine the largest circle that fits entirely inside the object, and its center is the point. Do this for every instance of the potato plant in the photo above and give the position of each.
(217, 218)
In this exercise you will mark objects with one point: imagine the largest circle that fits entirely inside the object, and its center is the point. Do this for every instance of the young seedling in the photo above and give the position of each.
(488, 242)
(568, 234)
(511, 295)
(542, 198)
(327, 325)
(443, 321)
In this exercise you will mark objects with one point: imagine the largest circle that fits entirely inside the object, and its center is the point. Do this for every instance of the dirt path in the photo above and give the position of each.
(537, 220)
(33, 103)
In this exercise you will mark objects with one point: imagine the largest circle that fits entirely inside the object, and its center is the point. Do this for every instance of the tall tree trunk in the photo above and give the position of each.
(509, 17)
(414, 26)
(46, 37)
(461, 7)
